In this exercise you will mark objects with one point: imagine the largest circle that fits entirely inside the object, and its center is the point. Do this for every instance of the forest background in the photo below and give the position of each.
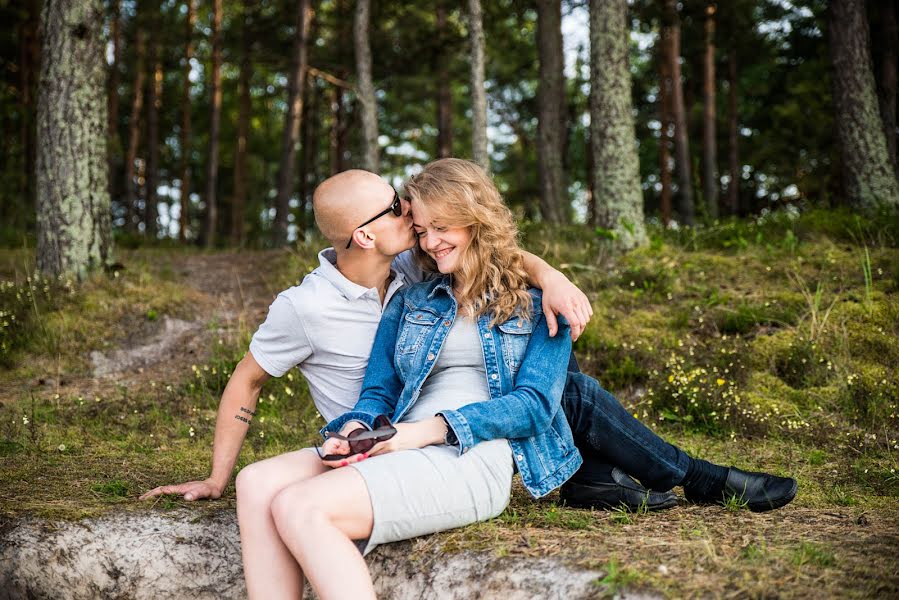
(742, 154)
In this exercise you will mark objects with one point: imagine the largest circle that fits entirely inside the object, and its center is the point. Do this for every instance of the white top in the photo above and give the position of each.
(326, 326)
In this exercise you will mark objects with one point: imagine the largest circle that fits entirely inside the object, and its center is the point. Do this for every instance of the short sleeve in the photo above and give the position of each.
(406, 264)
(281, 342)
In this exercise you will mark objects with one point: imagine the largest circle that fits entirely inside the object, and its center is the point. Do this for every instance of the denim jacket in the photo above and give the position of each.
(526, 373)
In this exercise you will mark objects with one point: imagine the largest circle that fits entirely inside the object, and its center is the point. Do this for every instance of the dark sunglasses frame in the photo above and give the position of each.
(361, 440)
(396, 207)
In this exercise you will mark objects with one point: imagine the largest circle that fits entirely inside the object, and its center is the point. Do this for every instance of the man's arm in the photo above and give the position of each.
(236, 410)
(559, 296)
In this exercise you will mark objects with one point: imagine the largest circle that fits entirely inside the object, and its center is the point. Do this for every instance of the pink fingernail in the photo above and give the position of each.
(344, 463)
(365, 455)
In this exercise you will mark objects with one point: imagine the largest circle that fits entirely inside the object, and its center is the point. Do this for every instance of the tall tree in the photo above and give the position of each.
(365, 87)
(671, 34)
(134, 129)
(113, 98)
(29, 65)
(869, 179)
(291, 135)
(184, 138)
(478, 93)
(613, 140)
(886, 80)
(154, 101)
(73, 213)
(243, 129)
(551, 113)
(212, 160)
(664, 111)
(733, 139)
(709, 115)
(444, 96)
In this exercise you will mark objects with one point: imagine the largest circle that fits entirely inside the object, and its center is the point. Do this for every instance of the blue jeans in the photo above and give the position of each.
(607, 435)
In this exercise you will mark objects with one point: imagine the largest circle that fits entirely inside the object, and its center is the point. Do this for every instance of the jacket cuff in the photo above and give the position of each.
(365, 419)
(460, 427)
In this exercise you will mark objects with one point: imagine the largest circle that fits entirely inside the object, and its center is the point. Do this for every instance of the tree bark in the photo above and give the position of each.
(113, 98)
(664, 101)
(444, 97)
(212, 164)
(709, 115)
(551, 113)
(291, 136)
(366, 89)
(613, 139)
(134, 128)
(869, 178)
(243, 131)
(308, 171)
(479, 153)
(886, 83)
(73, 213)
(733, 150)
(154, 101)
(671, 29)
(184, 140)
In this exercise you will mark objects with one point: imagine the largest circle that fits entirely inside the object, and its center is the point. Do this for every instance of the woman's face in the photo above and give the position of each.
(446, 245)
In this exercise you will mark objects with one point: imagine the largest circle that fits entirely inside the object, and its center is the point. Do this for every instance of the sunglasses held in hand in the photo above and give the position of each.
(361, 440)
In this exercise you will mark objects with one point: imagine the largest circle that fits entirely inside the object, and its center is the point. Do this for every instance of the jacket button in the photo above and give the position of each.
(494, 376)
(446, 323)
(487, 335)
(431, 356)
(521, 457)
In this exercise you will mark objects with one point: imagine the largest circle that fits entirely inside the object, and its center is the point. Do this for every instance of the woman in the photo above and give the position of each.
(464, 367)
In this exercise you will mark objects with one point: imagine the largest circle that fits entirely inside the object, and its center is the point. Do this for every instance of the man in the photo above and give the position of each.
(326, 327)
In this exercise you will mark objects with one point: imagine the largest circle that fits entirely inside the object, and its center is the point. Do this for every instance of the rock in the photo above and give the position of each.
(153, 351)
(182, 554)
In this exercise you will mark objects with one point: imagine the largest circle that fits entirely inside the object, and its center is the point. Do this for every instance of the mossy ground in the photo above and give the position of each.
(770, 344)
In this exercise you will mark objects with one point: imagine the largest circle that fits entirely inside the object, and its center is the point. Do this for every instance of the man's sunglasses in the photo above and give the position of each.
(361, 440)
(396, 207)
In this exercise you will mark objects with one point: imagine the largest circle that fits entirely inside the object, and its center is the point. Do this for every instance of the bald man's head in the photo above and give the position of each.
(347, 199)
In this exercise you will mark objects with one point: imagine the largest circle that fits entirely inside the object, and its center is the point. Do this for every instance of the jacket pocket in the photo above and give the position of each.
(416, 326)
(514, 337)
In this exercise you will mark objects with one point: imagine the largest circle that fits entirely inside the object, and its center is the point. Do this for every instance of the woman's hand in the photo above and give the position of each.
(340, 447)
(412, 435)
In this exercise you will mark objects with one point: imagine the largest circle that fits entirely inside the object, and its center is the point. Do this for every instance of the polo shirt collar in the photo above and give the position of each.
(352, 291)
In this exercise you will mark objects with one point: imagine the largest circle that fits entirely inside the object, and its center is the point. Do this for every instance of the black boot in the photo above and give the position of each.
(624, 491)
(759, 491)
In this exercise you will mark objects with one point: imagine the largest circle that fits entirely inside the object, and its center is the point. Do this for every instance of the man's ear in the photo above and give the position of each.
(364, 238)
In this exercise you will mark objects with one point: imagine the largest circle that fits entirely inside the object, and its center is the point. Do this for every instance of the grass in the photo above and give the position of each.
(759, 344)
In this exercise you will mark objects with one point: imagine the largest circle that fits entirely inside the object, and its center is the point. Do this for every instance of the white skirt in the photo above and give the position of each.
(417, 492)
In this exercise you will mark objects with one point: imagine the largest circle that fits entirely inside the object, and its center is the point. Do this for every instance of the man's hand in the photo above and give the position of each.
(560, 296)
(192, 490)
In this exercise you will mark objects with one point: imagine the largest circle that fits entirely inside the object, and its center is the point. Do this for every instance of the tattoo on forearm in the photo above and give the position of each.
(244, 419)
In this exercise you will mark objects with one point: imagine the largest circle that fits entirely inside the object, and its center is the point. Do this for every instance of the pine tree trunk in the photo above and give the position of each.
(444, 96)
(184, 140)
(29, 65)
(113, 98)
(479, 153)
(291, 135)
(551, 113)
(709, 138)
(733, 150)
(309, 135)
(73, 212)
(671, 27)
(134, 128)
(664, 65)
(154, 101)
(869, 178)
(243, 132)
(366, 89)
(212, 164)
(886, 82)
(613, 139)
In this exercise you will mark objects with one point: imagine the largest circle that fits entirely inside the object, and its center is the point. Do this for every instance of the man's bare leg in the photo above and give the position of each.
(317, 519)
(269, 568)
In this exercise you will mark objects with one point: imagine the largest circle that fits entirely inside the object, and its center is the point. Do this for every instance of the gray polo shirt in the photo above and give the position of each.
(326, 326)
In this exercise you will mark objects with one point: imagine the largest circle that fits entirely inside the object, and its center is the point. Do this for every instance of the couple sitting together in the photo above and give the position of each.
(442, 372)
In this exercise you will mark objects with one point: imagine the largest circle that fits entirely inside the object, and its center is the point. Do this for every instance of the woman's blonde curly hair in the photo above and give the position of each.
(459, 193)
